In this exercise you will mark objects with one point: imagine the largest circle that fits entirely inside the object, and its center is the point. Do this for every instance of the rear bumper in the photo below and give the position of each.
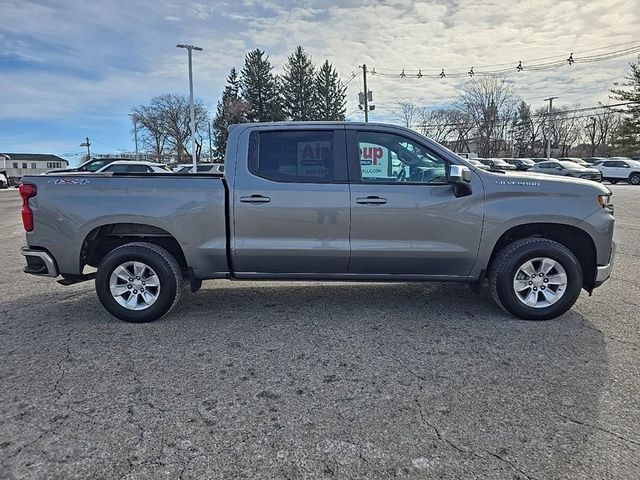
(603, 272)
(39, 262)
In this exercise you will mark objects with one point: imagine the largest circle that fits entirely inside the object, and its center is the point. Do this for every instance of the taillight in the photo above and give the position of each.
(27, 191)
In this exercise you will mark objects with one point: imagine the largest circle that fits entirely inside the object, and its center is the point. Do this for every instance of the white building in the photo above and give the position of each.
(19, 164)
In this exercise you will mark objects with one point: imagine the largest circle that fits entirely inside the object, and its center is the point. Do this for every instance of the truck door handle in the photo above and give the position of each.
(255, 199)
(371, 200)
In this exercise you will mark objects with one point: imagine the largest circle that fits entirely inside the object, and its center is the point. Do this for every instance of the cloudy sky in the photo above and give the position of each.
(71, 69)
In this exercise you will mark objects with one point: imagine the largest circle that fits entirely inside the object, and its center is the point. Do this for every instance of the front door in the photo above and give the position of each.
(405, 217)
(291, 206)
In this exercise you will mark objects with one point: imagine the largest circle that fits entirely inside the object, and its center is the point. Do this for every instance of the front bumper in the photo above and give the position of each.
(39, 262)
(603, 272)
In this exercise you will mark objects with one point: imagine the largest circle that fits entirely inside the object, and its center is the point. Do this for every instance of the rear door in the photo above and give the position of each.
(405, 217)
(608, 169)
(291, 202)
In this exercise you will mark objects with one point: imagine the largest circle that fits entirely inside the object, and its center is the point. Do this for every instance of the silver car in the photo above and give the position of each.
(566, 169)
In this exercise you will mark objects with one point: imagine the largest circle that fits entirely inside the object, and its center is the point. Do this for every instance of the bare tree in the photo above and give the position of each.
(565, 129)
(600, 129)
(437, 124)
(491, 104)
(173, 109)
(406, 112)
(152, 133)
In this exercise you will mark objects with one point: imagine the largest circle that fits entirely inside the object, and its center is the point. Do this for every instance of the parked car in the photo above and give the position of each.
(497, 164)
(477, 163)
(130, 166)
(202, 168)
(620, 169)
(566, 169)
(521, 164)
(323, 201)
(92, 165)
(593, 161)
(4, 181)
(577, 160)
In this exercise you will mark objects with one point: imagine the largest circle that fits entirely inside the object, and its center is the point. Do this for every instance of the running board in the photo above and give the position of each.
(73, 279)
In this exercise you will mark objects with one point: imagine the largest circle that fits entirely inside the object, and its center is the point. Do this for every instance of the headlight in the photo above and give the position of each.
(605, 202)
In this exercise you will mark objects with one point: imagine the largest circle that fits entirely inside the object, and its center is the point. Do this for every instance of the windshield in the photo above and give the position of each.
(95, 165)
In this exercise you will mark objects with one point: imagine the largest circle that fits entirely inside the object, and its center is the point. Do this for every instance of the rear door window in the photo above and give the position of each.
(139, 169)
(303, 156)
(117, 168)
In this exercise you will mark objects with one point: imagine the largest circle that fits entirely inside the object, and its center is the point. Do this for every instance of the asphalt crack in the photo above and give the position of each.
(596, 427)
(475, 454)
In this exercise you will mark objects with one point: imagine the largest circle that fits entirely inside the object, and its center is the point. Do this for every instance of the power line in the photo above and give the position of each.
(537, 115)
(516, 66)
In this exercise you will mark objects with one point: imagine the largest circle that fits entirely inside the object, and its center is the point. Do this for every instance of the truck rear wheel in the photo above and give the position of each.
(535, 279)
(139, 282)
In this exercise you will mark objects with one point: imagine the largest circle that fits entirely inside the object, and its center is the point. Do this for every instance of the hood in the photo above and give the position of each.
(516, 178)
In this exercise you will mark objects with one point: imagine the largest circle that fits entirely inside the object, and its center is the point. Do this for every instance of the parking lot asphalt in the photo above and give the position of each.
(319, 380)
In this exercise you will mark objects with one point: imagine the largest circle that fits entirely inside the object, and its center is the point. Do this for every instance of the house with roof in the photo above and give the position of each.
(17, 165)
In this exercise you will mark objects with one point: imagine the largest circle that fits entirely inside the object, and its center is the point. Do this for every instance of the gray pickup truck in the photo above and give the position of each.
(322, 201)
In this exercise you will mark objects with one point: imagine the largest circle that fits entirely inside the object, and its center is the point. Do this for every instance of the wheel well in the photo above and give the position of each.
(101, 240)
(575, 239)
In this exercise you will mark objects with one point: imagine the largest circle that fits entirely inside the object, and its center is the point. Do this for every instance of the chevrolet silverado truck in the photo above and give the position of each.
(322, 201)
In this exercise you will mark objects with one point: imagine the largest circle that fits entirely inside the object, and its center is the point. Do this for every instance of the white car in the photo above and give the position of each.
(4, 182)
(620, 169)
(130, 166)
(201, 168)
(477, 163)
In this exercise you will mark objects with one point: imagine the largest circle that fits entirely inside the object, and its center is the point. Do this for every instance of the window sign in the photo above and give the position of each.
(313, 158)
(374, 160)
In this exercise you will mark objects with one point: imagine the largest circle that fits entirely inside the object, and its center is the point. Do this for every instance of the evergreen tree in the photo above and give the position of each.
(330, 96)
(261, 89)
(231, 109)
(298, 86)
(628, 133)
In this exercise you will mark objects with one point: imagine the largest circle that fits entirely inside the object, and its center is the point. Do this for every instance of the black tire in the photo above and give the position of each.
(634, 178)
(161, 261)
(613, 182)
(506, 263)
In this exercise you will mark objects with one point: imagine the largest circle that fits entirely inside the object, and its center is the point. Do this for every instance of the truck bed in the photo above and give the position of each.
(69, 208)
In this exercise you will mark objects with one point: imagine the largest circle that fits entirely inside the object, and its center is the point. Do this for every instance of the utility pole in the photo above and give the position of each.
(135, 134)
(550, 100)
(87, 144)
(593, 135)
(210, 152)
(366, 93)
(192, 114)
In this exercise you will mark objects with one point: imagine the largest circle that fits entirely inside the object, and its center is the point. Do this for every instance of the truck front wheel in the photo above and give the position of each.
(139, 282)
(535, 279)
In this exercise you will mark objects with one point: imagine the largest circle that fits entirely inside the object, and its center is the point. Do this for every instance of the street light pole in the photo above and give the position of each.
(550, 100)
(192, 122)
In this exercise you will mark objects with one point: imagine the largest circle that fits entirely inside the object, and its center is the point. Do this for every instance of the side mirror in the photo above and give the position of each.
(558, 168)
(459, 175)
(460, 178)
